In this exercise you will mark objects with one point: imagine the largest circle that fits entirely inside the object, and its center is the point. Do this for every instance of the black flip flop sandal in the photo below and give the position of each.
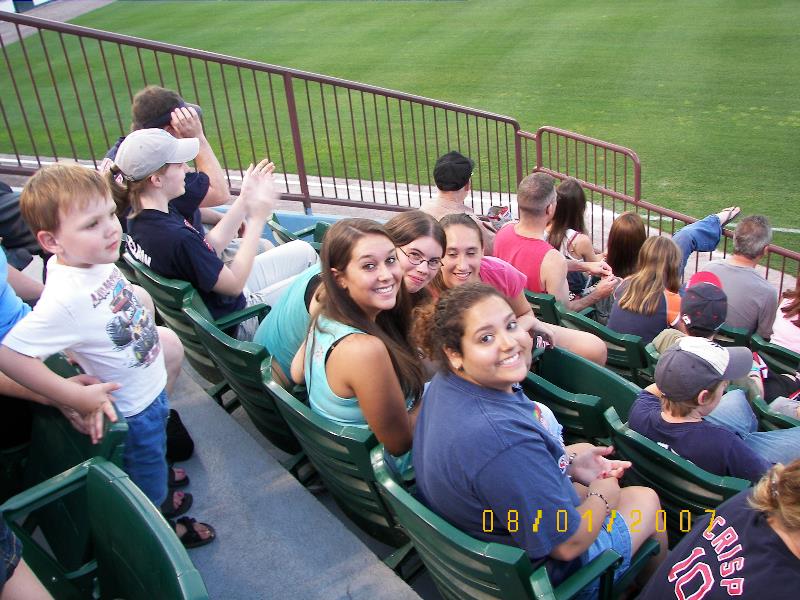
(173, 483)
(168, 509)
(192, 539)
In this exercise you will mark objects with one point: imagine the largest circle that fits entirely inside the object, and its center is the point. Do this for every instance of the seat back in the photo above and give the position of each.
(625, 351)
(138, 555)
(461, 566)
(681, 485)
(770, 420)
(732, 336)
(246, 367)
(340, 454)
(171, 296)
(544, 307)
(575, 374)
(778, 358)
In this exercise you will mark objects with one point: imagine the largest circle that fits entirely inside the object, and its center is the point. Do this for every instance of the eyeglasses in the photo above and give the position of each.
(416, 259)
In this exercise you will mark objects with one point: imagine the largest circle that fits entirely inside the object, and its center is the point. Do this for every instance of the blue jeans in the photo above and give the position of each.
(145, 456)
(10, 553)
(619, 539)
(701, 236)
(734, 414)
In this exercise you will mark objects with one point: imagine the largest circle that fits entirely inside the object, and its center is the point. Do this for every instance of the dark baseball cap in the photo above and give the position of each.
(704, 306)
(452, 171)
(695, 364)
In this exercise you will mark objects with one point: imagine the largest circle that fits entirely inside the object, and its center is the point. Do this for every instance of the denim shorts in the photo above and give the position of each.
(11, 550)
(619, 539)
(145, 456)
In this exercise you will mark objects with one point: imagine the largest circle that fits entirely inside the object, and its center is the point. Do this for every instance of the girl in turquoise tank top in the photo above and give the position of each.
(357, 364)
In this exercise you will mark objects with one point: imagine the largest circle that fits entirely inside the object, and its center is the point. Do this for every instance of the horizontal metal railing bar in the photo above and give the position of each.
(581, 138)
(243, 62)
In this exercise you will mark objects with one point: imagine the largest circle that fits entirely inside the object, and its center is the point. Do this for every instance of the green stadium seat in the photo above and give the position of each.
(284, 236)
(134, 554)
(778, 358)
(171, 296)
(464, 567)
(246, 367)
(647, 375)
(544, 307)
(341, 456)
(768, 419)
(732, 336)
(681, 485)
(577, 375)
(625, 351)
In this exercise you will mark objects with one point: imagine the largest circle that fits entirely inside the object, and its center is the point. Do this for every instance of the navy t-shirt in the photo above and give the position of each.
(196, 187)
(478, 449)
(172, 247)
(707, 445)
(739, 556)
(647, 327)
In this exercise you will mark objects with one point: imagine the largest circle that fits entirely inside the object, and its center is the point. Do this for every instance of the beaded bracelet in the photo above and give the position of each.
(599, 495)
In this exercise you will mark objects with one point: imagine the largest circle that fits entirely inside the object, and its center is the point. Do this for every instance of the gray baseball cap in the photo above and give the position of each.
(146, 150)
(695, 364)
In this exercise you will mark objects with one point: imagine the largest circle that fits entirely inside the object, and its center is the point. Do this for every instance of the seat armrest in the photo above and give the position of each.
(257, 310)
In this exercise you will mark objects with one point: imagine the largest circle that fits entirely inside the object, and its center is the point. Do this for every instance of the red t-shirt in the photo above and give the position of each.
(524, 253)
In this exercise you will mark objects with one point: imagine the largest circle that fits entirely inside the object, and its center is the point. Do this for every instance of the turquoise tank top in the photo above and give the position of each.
(286, 326)
(321, 398)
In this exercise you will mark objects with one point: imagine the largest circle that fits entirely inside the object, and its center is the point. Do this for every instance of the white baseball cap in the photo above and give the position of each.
(145, 151)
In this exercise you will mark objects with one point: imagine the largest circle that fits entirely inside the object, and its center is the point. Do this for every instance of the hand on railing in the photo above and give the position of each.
(258, 190)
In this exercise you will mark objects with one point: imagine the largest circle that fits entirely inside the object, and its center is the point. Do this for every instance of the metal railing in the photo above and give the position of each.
(66, 92)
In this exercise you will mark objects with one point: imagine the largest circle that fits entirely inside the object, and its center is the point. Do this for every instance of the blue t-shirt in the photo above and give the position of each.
(647, 327)
(168, 244)
(12, 308)
(195, 189)
(739, 556)
(709, 446)
(478, 449)
(285, 327)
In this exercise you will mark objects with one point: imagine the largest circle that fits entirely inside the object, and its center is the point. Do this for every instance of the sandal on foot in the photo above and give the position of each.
(168, 508)
(726, 215)
(173, 483)
(190, 538)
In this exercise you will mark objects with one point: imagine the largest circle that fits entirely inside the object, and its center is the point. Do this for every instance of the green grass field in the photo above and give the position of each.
(704, 92)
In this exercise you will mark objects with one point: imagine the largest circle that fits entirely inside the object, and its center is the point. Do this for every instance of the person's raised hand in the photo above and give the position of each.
(599, 268)
(258, 190)
(186, 123)
(606, 286)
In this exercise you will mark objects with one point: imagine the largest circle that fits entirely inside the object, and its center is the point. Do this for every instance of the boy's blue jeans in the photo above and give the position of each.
(145, 456)
(735, 414)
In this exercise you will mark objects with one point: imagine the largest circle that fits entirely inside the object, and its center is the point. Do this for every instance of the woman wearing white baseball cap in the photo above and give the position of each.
(152, 164)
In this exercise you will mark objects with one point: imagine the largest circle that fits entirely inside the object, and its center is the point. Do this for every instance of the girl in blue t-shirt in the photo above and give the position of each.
(477, 448)
(357, 364)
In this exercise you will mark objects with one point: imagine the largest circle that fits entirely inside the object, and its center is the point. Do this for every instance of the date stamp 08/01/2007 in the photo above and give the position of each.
(632, 520)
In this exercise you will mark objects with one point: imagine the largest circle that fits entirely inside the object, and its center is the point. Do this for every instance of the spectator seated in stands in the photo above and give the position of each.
(357, 364)
(420, 242)
(786, 329)
(704, 307)
(153, 164)
(752, 300)
(567, 233)
(481, 445)
(464, 262)
(648, 300)
(452, 174)
(683, 411)
(749, 545)
(523, 245)
(88, 308)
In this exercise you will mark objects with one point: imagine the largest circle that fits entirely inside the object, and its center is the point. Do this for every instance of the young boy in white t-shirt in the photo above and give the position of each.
(90, 309)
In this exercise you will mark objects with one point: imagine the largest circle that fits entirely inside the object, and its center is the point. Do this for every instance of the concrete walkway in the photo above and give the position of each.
(58, 10)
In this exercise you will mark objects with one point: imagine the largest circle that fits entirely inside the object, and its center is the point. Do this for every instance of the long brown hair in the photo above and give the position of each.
(570, 209)
(412, 225)
(392, 327)
(624, 242)
(127, 195)
(658, 269)
(792, 310)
